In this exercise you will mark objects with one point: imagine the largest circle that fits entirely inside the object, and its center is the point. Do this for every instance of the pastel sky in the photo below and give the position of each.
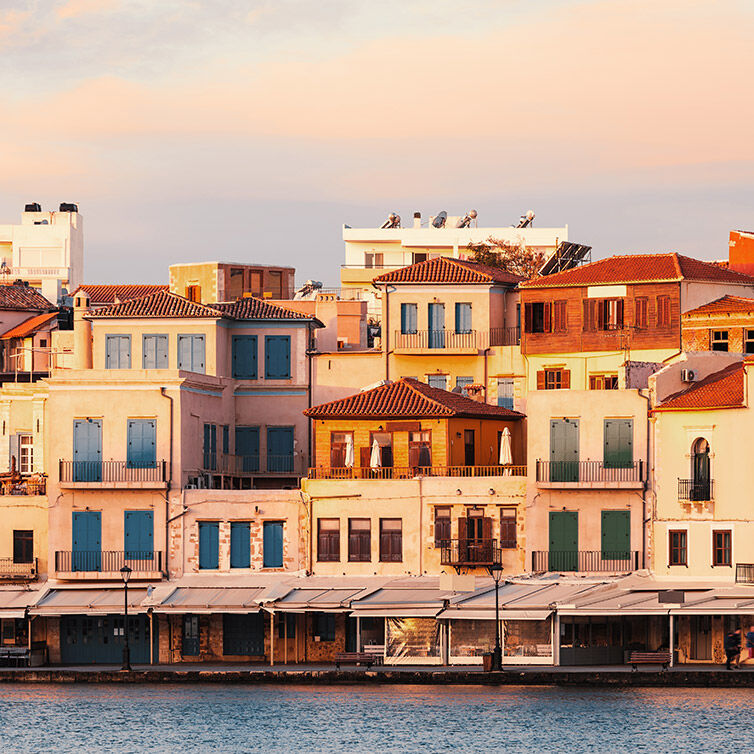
(251, 130)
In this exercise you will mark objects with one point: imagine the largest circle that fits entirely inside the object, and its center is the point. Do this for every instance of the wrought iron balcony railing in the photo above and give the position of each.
(139, 561)
(10, 569)
(113, 471)
(410, 472)
(744, 573)
(693, 491)
(585, 560)
(589, 471)
(470, 552)
(254, 465)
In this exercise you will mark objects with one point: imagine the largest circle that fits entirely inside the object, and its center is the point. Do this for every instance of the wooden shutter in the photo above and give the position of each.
(364, 455)
(528, 319)
(600, 314)
(487, 528)
(541, 379)
(565, 379)
(547, 317)
(589, 318)
(462, 528)
(619, 314)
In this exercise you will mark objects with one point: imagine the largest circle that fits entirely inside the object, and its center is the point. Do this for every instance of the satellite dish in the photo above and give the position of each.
(440, 219)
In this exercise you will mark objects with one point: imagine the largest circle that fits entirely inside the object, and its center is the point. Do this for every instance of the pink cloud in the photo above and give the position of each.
(76, 8)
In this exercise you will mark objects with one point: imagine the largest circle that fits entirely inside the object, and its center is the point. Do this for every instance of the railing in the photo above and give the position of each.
(139, 561)
(254, 465)
(505, 336)
(470, 552)
(744, 573)
(585, 560)
(342, 294)
(693, 491)
(9, 569)
(24, 487)
(410, 472)
(112, 471)
(450, 339)
(589, 471)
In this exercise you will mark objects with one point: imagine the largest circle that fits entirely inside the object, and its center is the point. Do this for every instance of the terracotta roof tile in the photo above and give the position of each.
(23, 298)
(161, 304)
(640, 268)
(111, 294)
(30, 326)
(449, 270)
(409, 398)
(723, 389)
(250, 307)
(724, 305)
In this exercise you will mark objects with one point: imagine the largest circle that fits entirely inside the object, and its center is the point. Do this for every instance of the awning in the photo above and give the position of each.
(12, 613)
(205, 600)
(327, 600)
(396, 612)
(15, 602)
(59, 602)
(490, 614)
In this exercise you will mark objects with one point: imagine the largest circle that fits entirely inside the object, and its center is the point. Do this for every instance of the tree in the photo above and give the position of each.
(511, 256)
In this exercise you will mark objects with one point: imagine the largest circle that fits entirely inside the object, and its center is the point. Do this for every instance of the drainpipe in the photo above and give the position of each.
(650, 475)
(485, 354)
(421, 528)
(169, 478)
(386, 333)
(310, 348)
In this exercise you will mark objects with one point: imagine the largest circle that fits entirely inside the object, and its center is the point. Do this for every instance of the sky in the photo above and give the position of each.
(252, 130)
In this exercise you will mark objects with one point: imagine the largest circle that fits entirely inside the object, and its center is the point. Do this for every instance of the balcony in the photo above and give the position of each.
(744, 573)
(587, 561)
(403, 472)
(12, 571)
(26, 486)
(449, 341)
(691, 491)
(106, 564)
(470, 553)
(589, 475)
(227, 464)
(113, 475)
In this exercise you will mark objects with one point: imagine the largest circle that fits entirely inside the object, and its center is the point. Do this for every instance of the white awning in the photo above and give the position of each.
(12, 613)
(211, 600)
(490, 614)
(397, 612)
(58, 602)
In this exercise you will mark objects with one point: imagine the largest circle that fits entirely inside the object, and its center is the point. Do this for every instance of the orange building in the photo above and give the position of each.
(726, 324)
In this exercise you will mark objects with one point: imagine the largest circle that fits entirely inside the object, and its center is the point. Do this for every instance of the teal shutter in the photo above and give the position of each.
(86, 531)
(209, 544)
(142, 444)
(436, 320)
(138, 535)
(408, 319)
(272, 543)
(616, 535)
(280, 449)
(87, 450)
(463, 318)
(154, 352)
(277, 357)
(247, 448)
(240, 544)
(564, 450)
(244, 357)
(226, 439)
(210, 447)
(619, 439)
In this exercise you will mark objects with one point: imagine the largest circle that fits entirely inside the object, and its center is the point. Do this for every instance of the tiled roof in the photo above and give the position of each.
(161, 304)
(640, 268)
(255, 308)
(449, 270)
(724, 305)
(723, 389)
(409, 398)
(22, 298)
(111, 294)
(30, 326)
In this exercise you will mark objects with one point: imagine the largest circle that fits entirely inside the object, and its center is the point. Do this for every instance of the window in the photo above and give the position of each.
(277, 357)
(209, 544)
(409, 315)
(603, 382)
(323, 626)
(226, 439)
(194, 293)
(272, 544)
(719, 340)
(243, 635)
(677, 548)
(748, 341)
(23, 546)
(438, 380)
(391, 540)
(244, 357)
(328, 540)
(618, 451)
(117, 352)
(537, 317)
(663, 311)
(508, 528)
(255, 283)
(138, 535)
(142, 444)
(275, 283)
(384, 441)
(462, 382)
(359, 540)
(25, 454)
(463, 319)
(154, 352)
(560, 321)
(641, 317)
(603, 314)
(419, 256)
(505, 392)
(420, 449)
(287, 626)
(240, 544)
(191, 353)
(442, 527)
(373, 259)
(339, 444)
(553, 379)
(721, 548)
(210, 447)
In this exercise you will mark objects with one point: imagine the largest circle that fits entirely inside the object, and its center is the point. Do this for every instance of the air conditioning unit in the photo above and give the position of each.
(687, 375)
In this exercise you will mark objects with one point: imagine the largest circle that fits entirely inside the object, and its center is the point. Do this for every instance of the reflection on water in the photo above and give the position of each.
(189, 718)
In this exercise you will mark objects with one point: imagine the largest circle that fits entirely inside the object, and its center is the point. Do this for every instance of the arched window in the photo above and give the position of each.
(700, 470)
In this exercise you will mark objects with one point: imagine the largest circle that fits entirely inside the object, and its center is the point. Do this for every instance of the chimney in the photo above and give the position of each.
(417, 219)
(82, 332)
(475, 392)
(741, 251)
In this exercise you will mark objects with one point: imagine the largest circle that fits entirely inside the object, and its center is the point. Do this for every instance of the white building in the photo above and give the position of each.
(46, 249)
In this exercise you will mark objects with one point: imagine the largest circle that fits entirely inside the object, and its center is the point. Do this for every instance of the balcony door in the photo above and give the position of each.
(280, 449)
(564, 450)
(247, 449)
(87, 450)
(436, 320)
(475, 538)
(701, 471)
(87, 541)
(564, 541)
(138, 538)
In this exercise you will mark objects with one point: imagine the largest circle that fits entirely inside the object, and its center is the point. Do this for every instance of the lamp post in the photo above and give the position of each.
(125, 574)
(496, 571)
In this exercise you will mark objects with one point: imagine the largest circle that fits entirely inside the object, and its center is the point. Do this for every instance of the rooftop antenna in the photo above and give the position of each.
(440, 219)
(527, 220)
(465, 221)
(393, 221)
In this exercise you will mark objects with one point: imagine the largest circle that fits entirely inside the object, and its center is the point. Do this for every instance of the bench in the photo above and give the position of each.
(16, 656)
(355, 658)
(649, 658)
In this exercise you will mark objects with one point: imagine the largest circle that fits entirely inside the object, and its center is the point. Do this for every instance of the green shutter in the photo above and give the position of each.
(619, 443)
(616, 535)
(564, 541)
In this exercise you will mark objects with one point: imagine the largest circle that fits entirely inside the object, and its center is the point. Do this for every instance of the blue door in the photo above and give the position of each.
(244, 357)
(247, 448)
(272, 543)
(87, 450)
(87, 640)
(87, 541)
(138, 537)
(142, 444)
(209, 544)
(436, 319)
(280, 449)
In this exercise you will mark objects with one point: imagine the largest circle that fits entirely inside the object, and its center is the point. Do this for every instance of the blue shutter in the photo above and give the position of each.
(247, 448)
(240, 544)
(87, 450)
(86, 533)
(226, 439)
(244, 357)
(280, 449)
(408, 319)
(505, 393)
(210, 447)
(273, 544)
(138, 535)
(277, 357)
(142, 444)
(436, 319)
(463, 318)
(209, 544)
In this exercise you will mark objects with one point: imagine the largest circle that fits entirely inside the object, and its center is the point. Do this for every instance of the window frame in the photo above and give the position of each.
(328, 557)
(364, 554)
(440, 525)
(191, 336)
(510, 543)
(460, 327)
(23, 545)
(25, 442)
(155, 336)
(389, 553)
(681, 548)
(554, 376)
(117, 337)
(507, 381)
(716, 340)
(664, 313)
(237, 373)
(536, 320)
(641, 312)
(726, 548)
(444, 376)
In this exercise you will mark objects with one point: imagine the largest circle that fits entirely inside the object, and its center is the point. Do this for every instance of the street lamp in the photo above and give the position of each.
(125, 574)
(496, 571)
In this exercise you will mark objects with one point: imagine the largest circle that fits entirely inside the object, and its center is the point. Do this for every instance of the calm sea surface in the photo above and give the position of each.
(203, 718)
